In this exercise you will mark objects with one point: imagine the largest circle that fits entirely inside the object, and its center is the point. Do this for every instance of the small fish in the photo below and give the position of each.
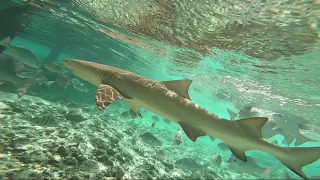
(166, 121)
(22, 54)
(80, 87)
(153, 124)
(49, 83)
(178, 137)
(128, 114)
(63, 81)
(54, 67)
(155, 119)
(8, 73)
(188, 164)
(160, 154)
(291, 127)
(150, 139)
(286, 176)
(217, 158)
(250, 167)
(223, 147)
(75, 81)
(46, 120)
(245, 112)
(30, 75)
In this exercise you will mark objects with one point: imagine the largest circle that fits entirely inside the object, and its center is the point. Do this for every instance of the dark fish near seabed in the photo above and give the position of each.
(166, 121)
(128, 114)
(54, 67)
(155, 119)
(22, 54)
(46, 120)
(63, 81)
(8, 73)
(189, 164)
(150, 139)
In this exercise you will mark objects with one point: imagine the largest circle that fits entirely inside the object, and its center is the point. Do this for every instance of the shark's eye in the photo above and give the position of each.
(280, 115)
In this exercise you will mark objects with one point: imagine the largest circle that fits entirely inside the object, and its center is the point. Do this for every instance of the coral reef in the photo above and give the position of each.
(46, 140)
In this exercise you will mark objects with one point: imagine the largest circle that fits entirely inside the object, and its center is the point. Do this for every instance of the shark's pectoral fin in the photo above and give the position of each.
(181, 87)
(134, 108)
(254, 124)
(191, 132)
(106, 95)
(240, 154)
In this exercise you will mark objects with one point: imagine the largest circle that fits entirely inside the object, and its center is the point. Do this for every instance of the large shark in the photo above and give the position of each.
(170, 100)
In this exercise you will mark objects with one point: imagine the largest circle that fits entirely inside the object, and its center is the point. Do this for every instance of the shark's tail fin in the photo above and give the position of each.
(5, 42)
(26, 84)
(297, 157)
(302, 139)
(233, 115)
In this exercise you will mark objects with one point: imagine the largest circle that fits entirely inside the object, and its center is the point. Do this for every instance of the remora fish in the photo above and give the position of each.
(20, 53)
(170, 100)
(8, 73)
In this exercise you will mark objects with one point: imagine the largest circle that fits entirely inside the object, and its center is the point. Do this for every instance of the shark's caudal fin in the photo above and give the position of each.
(302, 139)
(233, 115)
(5, 42)
(297, 157)
(26, 84)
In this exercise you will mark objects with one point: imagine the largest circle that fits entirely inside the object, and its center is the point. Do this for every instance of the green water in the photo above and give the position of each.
(257, 53)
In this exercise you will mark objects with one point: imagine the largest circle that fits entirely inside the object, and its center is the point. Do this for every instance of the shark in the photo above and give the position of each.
(170, 99)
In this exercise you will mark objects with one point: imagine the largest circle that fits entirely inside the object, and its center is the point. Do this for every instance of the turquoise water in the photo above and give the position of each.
(238, 58)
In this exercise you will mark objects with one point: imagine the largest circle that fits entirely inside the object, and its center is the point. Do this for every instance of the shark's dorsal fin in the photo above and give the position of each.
(240, 154)
(106, 95)
(191, 132)
(254, 124)
(133, 105)
(181, 87)
(232, 114)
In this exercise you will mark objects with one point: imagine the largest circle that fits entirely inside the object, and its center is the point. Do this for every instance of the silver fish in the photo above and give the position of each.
(150, 139)
(20, 53)
(30, 75)
(80, 87)
(291, 127)
(8, 73)
(189, 164)
(251, 167)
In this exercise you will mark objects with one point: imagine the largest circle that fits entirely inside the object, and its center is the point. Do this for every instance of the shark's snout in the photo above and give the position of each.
(69, 63)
